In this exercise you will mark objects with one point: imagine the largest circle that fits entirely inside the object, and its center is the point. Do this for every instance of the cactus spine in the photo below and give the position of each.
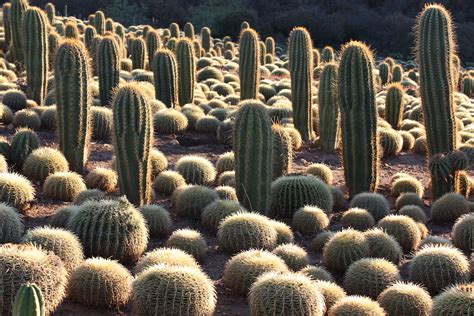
(186, 70)
(51, 12)
(73, 101)
(253, 156)
(29, 301)
(7, 23)
(206, 41)
(36, 53)
(133, 141)
(301, 69)
(138, 54)
(99, 22)
(436, 44)
(358, 118)
(165, 74)
(108, 68)
(394, 105)
(18, 8)
(153, 43)
(328, 108)
(249, 64)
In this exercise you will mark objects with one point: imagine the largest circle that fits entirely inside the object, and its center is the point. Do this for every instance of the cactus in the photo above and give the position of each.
(109, 25)
(218, 210)
(196, 170)
(293, 192)
(158, 220)
(463, 233)
(165, 73)
(436, 267)
(112, 216)
(285, 294)
(397, 74)
(62, 216)
(99, 22)
(73, 96)
(344, 248)
(403, 229)
(28, 301)
(27, 118)
(12, 225)
(63, 186)
(100, 282)
(405, 299)
(102, 120)
(356, 305)
(138, 54)
(225, 162)
(295, 257)
(89, 195)
(320, 240)
(327, 55)
(358, 118)
(384, 73)
(435, 47)
(153, 43)
(317, 273)
(23, 143)
(206, 40)
(18, 8)
(164, 289)
(108, 68)
(189, 30)
(51, 12)
(309, 220)
(369, 277)
(23, 264)
(249, 64)
(253, 138)
(407, 185)
(394, 105)
(455, 300)
(468, 86)
(321, 171)
(382, 245)
(16, 190)
(133, 139)
(167, 181)
(391, 142)
(15, 99)
(170, 121)
(358, 219)
(282, 152)
(35, 26)
(174, 30)
(71, 31)
(190, 241)
(166, 256)
(449, 208)
(186, 71)
(7, 23)
(414, 212)
(53, 43)
(328, 108)
(376, 204)
(193, 200)
(101, 179)
(43, 162)
(301, 69)
(270, 46)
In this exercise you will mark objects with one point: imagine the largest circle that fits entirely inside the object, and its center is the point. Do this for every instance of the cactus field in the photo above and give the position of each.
(169, 171)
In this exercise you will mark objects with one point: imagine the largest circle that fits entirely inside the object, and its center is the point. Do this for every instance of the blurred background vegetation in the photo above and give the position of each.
(387, 25)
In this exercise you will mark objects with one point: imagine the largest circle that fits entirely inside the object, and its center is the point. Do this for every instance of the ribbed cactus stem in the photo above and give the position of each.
(189, 30)
(109, 25)
(301, 69)
(186, 71)
(7, 23)
(71, 30)
(108, 68)
(253, 155)
(153, 43)
(206, 41)
(99, 22)
(89, 35)
(263, 52)
(18, 8)
(384, 73)
(53, 43)
(397, 73)
(249, 64)
(394, 105)
(35, 24)
(327, 55)
(138, 54)
(50, 12)
(435, 48)
(29, 301)
(174, 30)
(165, 74)
(360, 145)
(270, 46)
(328, 108)
(133, 141)
(73, 101)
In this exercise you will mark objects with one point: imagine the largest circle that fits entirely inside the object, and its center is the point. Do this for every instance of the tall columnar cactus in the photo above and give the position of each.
(35, 25)
(99, 22)
(206, 41)
(397, 73)
(28, 301)
(249, 64)
(263, 52)
(18, 8)
(51, 12)
(73, 102)
(301, 69)
(109, 25)
(394, 104)
(435, 48)
(328, 108)
(71, 30)
(165, 74)
(253, 156)
(174, 30)
(108, 68)
(186, 71)
(153, 43)
(360, 144)
(189, 30)
(138, 54)
(384, 73)
(133, 140)
(89, 35)
(327, 55)
(53, 43)
(7, 22)
(270, 46)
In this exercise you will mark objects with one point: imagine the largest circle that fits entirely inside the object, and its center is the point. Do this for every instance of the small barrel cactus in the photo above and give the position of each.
(456, 300)
(356, 305)
(157, 219)
(22, 144)
(344, 248)
(16, 190)
(376, 204)
(382, 245)
(166, 256)
(12, 225)
(217, 211)
(309, 220)
(193, 200)
(196, 170)
(295, 257)
(43, 162)
(63, 186)
(406, 299)
(190, 241)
